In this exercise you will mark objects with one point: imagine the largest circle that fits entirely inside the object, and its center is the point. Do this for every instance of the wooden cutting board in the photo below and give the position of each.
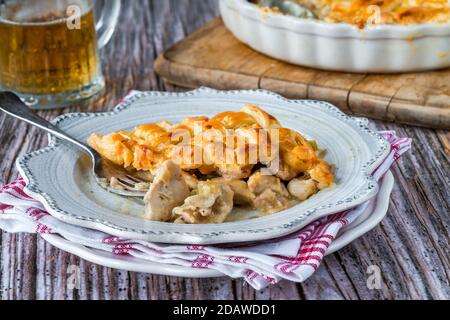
(213, 57)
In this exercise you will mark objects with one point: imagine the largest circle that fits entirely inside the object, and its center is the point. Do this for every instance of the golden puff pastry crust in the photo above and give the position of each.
(123, 149)
(229, 145)
(364, 12)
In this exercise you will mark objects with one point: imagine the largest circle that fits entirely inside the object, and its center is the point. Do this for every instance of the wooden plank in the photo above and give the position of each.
(410, 246)
(223, 72)
(213, 57)
(334, 87)
(306, 83)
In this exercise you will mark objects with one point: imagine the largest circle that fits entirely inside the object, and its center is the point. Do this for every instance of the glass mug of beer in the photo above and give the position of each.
(49, 49)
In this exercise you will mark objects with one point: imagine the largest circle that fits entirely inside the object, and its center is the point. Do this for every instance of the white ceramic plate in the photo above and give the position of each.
(339, 46)
(366, 222)
(59, 176)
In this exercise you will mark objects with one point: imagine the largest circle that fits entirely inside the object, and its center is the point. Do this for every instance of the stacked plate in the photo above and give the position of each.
(59, 176)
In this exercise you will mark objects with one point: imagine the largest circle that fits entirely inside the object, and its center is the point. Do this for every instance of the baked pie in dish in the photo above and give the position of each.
(199, 169)
(350, 36)
(404, 12)
(364, 12)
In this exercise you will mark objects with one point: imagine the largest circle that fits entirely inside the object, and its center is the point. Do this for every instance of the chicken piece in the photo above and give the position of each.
(167, 191)
(242, 194)
(271, 194)
(212, 204)
(259, 182)
(270, 202)
(302, 189)
(190, 179)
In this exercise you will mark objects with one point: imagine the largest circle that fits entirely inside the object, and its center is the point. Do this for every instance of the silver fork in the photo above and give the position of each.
(109, 176)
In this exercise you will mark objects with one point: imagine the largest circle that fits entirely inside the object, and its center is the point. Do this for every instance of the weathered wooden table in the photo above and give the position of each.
(411, 245)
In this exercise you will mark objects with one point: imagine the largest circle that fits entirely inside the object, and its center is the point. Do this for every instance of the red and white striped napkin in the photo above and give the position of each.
(294, 257)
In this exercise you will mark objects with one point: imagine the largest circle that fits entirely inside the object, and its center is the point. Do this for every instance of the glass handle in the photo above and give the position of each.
(107, 22)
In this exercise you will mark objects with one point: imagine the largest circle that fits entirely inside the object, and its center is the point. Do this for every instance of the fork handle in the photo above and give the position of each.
(11, 104)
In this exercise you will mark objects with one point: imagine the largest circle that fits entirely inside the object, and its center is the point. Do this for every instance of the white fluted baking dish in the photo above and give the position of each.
(339, 46)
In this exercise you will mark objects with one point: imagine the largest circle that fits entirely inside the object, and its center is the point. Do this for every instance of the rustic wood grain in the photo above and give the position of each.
(411, 246)
(213, 57)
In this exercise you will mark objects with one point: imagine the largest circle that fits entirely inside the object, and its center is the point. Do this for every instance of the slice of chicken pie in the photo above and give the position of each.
(202, 166)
